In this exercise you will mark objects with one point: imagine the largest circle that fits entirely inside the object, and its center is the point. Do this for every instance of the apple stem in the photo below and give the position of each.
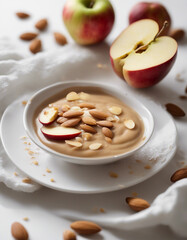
(91, 4)
(144, 47)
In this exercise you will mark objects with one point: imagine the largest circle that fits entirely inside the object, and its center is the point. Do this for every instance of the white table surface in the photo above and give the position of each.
(39, 207)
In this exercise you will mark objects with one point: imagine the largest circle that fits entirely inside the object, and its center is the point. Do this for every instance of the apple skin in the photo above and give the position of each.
(60, 137)
(88, 25)
(151, 10)
(148, 77)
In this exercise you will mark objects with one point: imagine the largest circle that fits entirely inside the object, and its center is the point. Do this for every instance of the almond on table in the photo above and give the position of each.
(60, 38)
(42, 24)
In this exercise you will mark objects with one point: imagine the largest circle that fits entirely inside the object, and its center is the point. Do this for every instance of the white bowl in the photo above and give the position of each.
(44, 94)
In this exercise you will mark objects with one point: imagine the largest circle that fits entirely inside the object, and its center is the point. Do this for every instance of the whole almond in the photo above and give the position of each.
(35, 46)
(85, 227)
(28, 36)
(137, 204)
(177, 34)
(179, 174)
(19, 232)
(86, 105)
(71, 114)
(98, 114)
(22, 15)
(107, 132)
(71, 122)
(174, 110)
(88, 128)
(69, 235)
(89, 120)
(61, 120)
(41, 24)
(105, 124)
(60, 38)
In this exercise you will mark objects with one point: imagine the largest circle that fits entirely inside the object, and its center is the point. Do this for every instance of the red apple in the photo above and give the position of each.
(151, 10)
(140, 57)
(90, 21)
(60, 133)
(48, 116)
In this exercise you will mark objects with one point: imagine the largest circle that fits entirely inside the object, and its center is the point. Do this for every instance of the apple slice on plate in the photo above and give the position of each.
(60, 133)
(141, 57)
(48, 116)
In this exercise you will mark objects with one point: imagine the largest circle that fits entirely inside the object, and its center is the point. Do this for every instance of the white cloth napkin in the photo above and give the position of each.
(31, 73)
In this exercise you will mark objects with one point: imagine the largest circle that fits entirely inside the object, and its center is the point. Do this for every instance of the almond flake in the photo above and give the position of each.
(147, 167)
(74, 108)
(52, 180)
(72, 96)
(24, 102)
(84, 96)
(130, 124)
(15, 174)
(73, 143)
(48, 170)
(65, 108)
(26, 219)
(87, 136)
(27, 180)
(102, 210)
(95, 146)
(115, 110)
(30, 152)
(113, 175)
(35, 163)
(78, 139)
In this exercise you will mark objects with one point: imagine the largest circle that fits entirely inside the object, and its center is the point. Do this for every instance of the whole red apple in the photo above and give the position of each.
(88, 21)
(151, 10)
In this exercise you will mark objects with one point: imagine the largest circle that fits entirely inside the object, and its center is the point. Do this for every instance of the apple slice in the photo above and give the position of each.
(151, 63)
(60, 133)
(48, 116)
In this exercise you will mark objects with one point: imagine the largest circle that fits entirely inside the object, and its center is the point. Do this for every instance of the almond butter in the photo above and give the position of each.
(69, 235)
(137, 204)
(19, 232)
(89, 120)
(22, 15)
(71, 114)
(88, 128)
(105, 124)
(177, 34)
(61, 120)
(41, 24)
(179, 174)
(95, 146)
(60, 38)
(85, 227)
(71, 122)
(174, 110)
(86, 105)
(72, 96)
(130, 124)
(107, 132)
(28, 36)
(35, 46)
(73, 143)
(98, 114)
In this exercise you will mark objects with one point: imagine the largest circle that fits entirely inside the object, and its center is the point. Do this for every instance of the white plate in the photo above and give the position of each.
(46, 93)
(84, 179)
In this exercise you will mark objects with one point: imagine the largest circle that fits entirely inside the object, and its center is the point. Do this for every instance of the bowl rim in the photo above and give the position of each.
(83, 160)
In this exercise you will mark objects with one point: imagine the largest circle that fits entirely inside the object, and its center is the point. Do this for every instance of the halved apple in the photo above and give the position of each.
(48, 116)
(151, 63)
(60, 133)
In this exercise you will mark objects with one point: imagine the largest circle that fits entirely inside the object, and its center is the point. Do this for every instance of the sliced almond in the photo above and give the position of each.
(27, 180)
(98, 114)
(69, 235)
(61, 120)
(112, 119)
(88, 128)
(130, 124)
(72, 96)
(108, 140)
(73, 143)
(85, 227)
(71, 122)
(178, 34)
(19, 232)
(79, 139)
(76, 108)
(95, 146)
(41, 24)
(60, 38)
(179, 174)
(107, 132)
(86, 105)
(87, 136)
(137, 204)
(28, 36)
(65, 108)
(115, 110)
(175, 110)
(71, 114)
(89, 120)
(22, 15)
(35, 46)
(84, 96)
(105, 124)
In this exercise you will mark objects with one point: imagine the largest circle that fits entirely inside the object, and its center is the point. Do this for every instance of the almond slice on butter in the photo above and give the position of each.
(84, 96)
(130, 124)
(98, 114)
(88, 128)
(71, 122)
(76, 108)
(18, 231)
(71, 114)
(115, 110)
(105, 124)
(89, 120)
(95, 146)
(85, 227)
(87, 136)
(73, 143)
(137, 204)
(72, 96)
(86, 105)
(107, 132)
